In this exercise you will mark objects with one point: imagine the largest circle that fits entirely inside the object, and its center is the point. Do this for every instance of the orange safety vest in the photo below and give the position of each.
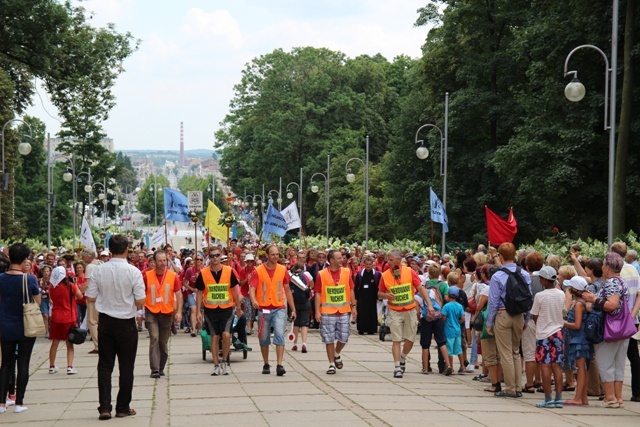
(403, 291)
(335, 298)
(270, 291)
(217, 294)
(160, 296)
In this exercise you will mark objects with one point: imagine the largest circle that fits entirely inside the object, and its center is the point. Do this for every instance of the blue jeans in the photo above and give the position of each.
(275, 318)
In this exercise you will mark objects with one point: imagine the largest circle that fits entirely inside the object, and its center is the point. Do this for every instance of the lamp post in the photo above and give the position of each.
(24, 148)
(422, 153)
(101, 196)
(155, 190)
(290, 196)
(314, 189)
(71, 177)
(278, 199)
(255, 205)
(351, 179)
(575, 91)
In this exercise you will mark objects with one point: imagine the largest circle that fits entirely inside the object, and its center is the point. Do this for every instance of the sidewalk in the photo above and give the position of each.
(363, 393)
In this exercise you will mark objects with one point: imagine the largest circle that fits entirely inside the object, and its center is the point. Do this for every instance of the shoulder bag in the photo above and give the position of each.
(31, 315)
(619, 326)
(76, 335)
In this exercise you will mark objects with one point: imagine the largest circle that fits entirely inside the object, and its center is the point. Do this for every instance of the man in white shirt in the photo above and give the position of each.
(118, 290)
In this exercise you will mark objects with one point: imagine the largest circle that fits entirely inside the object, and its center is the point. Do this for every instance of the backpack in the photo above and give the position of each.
(518, 298)
(437, 305)
(594, 327)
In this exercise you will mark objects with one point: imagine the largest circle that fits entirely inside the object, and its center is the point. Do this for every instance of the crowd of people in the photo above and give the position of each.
(502, 313)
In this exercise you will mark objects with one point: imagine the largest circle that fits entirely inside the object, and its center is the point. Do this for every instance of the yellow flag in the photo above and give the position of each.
(211, 223)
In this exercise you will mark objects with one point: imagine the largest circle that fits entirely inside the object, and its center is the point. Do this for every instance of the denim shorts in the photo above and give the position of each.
(191, 300)
(45, 306)
(275, 319)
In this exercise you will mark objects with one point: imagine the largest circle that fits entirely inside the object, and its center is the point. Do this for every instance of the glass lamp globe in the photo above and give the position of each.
(115, 202)
(67, 176)
(314, 188)
(101, 196)
(24, 148)
(351, 178)
(289, 195)
(422, 152)
(575, 90)
(87, 188)
(255, 204)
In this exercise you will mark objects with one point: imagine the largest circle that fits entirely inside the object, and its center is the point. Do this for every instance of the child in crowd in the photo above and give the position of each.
(547, 313)
(453, 314)
(580, 350)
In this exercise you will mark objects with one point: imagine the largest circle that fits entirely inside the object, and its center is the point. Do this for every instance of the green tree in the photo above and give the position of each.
(147, 199)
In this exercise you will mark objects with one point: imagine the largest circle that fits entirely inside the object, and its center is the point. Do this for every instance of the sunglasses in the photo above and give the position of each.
(199, 259)
(214, 255)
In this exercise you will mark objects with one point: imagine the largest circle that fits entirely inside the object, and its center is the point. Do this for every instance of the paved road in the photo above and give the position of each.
(363, 393)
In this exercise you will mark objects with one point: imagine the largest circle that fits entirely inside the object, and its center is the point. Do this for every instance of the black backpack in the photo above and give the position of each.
(518, 298)
(593, 326)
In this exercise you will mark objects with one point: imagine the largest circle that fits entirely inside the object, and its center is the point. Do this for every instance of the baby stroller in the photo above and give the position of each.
(236, 344)
(384, 321)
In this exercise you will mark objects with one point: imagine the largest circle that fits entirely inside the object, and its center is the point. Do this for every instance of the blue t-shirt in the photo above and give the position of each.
(453, 310)
(11, 326)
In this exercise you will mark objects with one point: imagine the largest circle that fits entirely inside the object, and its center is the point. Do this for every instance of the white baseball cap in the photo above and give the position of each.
(57, 275)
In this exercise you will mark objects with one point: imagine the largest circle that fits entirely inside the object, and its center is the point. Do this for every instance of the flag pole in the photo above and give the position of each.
(433, 249)
(165, 234)
(195, 229)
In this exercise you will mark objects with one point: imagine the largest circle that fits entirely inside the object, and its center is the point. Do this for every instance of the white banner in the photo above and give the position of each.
(159, 238)
(86, 238)
(290, 214)
(248, 228)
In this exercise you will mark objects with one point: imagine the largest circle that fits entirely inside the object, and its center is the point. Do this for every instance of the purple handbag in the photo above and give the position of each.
(619, 326)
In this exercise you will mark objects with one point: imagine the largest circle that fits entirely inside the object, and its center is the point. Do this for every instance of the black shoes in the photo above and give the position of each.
(280, 370)
(266, 369)
(154, 374)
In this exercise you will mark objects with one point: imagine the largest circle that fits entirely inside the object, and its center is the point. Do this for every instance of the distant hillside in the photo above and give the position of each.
(200, 153)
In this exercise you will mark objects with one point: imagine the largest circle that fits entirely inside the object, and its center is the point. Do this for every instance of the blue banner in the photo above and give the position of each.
(438, 214)
(274, 222)
(106, 240)
(176, 206)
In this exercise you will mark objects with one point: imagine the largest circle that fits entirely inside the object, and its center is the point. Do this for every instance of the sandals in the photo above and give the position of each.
(338, 361)
(479, 377)
(494, 388)
(529, 389)
(546, 404)
(425, 371)
(565, 387)
(331, 370)
(130, 412)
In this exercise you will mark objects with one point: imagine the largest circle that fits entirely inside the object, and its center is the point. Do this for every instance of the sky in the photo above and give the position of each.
(192, 54)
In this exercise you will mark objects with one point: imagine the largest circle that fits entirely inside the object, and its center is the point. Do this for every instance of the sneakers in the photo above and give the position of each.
(53, 369)
(10, 402)
(397, 373)
(470, 369)
(224, 368)
(294, 348)
(187, 330)
(249, 331)
(304, 348)
(216, 371)
(280, 370)
(71, 370)
(266, 369)
(403, 364)
(19, 409)
(154, 374)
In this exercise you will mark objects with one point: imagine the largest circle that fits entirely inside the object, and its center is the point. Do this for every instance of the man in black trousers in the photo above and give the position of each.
(118, 291)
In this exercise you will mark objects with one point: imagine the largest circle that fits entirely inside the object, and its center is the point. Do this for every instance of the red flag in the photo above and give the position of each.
(499, 230)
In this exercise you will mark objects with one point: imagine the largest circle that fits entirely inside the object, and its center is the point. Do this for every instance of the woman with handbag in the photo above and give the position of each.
(63, 294)
(18, 292)
(618, 328)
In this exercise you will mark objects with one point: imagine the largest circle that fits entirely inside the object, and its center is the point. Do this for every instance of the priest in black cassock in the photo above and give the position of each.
(366, 292)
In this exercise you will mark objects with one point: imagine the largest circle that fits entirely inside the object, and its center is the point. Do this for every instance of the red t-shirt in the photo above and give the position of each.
(255, 281)
(190, 275)
(335, 275)
(80, 283)
(62, 310)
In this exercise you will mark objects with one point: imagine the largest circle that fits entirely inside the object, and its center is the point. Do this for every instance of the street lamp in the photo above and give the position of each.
(315, 189)
(24, 148)
(290, 196)
(155, 190)
(575, 91)
(351, 179)
(278, 199)
(70, 177)
(422, 153)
